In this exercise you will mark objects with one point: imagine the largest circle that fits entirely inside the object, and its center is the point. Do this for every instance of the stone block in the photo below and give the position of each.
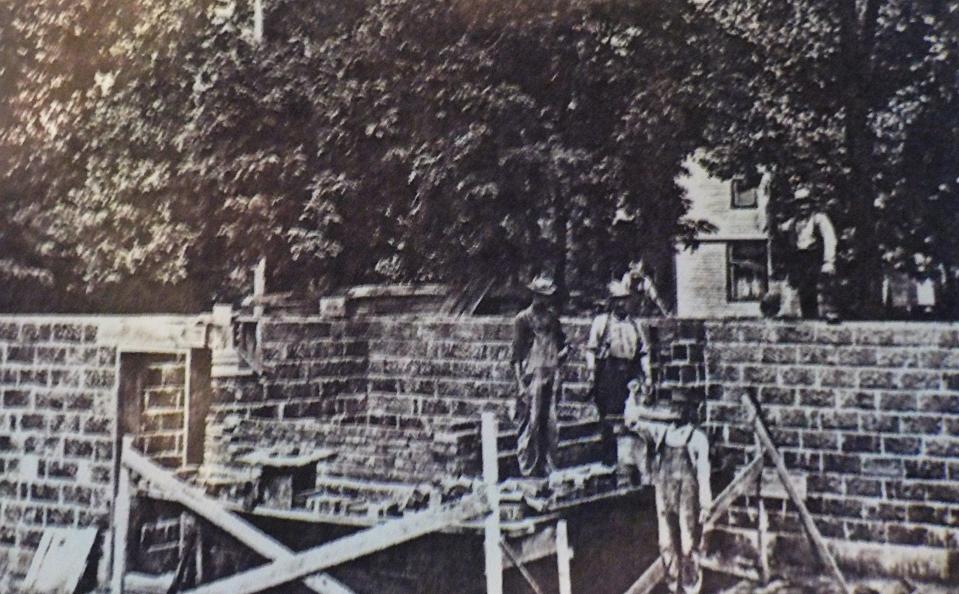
(939, 403)
(898, 401)
(905, 446)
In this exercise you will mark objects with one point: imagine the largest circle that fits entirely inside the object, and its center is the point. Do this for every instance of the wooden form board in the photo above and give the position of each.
(212, 511)
(60, 560)
(345, 549)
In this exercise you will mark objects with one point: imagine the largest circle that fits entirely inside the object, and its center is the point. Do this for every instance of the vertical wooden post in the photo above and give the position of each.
(563, 556)
(259, 285)
(258, 21)
(121, 519)
(492, 532)
(762, 535)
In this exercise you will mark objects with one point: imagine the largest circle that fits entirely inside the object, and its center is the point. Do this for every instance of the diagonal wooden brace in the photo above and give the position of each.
(210, 510)
(347, 548)
(811, 529)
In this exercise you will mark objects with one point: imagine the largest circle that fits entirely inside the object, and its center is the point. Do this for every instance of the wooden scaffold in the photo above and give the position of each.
(285, 565)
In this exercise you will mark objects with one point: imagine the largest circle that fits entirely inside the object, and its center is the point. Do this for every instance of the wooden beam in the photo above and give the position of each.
(811, 529)
(520, 567)
(121, 520)
(563, 555)
(654, 574)
(492, 534)
(347, 548)
(740, 486)
(197, 502)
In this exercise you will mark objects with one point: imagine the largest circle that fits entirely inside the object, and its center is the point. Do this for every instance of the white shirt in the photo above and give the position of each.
(806, 234)
(621, 334)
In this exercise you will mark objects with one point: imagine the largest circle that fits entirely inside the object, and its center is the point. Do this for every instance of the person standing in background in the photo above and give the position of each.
(811, 258)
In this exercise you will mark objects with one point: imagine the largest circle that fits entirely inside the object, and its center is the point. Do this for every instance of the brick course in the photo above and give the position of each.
(882, 411)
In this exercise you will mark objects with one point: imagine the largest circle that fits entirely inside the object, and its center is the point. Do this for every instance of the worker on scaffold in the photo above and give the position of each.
(617, 352)
(539, 348)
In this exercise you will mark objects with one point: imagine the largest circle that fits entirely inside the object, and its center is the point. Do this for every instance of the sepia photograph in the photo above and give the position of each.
(479, 296)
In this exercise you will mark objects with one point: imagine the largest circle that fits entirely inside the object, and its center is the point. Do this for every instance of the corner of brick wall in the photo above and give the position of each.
(58, 420)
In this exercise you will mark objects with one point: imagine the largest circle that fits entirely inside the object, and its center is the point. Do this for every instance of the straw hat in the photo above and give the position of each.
(618, 290)
(543, 285)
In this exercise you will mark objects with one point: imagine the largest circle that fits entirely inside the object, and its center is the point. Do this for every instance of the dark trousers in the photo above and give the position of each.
(609, 393)
(814, 288)
(538, 439)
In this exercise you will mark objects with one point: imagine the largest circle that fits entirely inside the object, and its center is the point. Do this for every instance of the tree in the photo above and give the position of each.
(843, 95)
(437, 141)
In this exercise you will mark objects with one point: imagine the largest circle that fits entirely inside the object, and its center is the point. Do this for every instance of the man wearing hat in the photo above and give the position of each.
(539, 347)
(682, 477)
(617, 353)
(811, 260)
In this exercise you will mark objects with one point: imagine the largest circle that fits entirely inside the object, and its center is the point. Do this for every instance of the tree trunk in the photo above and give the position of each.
(856, 44)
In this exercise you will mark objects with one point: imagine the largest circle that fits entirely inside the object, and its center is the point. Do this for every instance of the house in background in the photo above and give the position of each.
(728, 272)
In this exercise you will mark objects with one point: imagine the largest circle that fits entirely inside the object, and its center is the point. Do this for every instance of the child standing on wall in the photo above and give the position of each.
(683, 494)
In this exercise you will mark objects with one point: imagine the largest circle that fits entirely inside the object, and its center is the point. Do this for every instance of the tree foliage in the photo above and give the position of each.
(858, 99)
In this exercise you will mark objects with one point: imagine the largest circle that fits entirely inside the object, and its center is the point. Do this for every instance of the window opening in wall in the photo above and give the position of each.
(747, 277)
(745, 193)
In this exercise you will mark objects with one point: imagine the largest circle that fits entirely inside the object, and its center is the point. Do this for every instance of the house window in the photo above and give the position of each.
(747, 277)
(745, 193)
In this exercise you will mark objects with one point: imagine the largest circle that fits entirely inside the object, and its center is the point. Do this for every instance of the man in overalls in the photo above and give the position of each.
(617, 353)
(539, 347)
(811, 258)
(683, 494)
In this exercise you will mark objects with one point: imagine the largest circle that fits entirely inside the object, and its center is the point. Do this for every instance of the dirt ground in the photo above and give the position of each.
(820, 585)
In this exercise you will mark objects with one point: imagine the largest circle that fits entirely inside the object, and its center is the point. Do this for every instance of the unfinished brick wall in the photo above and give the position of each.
(60, 415)
(162, 434)
(869, 412)
(57, 426)
(400, 398)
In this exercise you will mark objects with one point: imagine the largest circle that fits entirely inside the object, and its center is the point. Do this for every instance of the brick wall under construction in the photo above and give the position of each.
(400, 398)
(867, 414)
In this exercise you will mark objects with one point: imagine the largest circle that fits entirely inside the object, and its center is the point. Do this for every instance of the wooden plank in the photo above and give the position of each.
(121, 519)
(60, 560)
(492, 534)
(811, 529)
(654, 574)
(563, 555)
(197, 502)
(347, 548)
(740, 486)
(520, 567)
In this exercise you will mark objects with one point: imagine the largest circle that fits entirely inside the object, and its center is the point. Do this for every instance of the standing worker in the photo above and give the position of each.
(617, 353)
(683, 494)
(539, 347)
(648, 302)
(811, 258)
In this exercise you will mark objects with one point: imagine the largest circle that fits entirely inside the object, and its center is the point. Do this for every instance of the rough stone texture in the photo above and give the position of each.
(59, 380)
(866, 410)
(869, 412)
(400, 398)
(57, 429)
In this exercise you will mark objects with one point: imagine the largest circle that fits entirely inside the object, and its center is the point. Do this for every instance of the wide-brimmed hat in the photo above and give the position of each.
(618, 290)
(802, 194)
(543, 285)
